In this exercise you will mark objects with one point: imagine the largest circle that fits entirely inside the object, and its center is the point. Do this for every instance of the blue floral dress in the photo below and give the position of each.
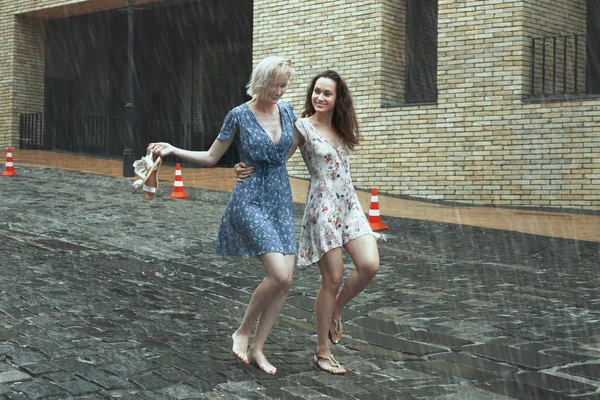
(259, 217)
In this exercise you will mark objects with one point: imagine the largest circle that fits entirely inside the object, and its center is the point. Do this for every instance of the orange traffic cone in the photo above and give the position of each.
(178, 191)
(9, 169)
(374, 217)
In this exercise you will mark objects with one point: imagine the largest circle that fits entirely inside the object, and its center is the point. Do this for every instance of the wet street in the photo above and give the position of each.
(106, 296)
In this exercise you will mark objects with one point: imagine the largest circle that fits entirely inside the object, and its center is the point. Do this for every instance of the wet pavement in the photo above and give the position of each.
(106, 296)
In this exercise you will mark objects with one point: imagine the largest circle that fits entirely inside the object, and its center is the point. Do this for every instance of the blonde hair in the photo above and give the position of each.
(265, 71)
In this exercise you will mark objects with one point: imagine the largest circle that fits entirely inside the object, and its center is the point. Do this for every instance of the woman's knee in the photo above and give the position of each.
(280, 269)
(369, 268)
(332, 269)
(332, 281)
(284, 279)
(287, 281)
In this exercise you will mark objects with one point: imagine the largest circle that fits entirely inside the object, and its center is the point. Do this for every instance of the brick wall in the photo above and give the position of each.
(481, 143)
(560, 143)
(393, 48)
(6, 32)
(554, 18)
(22, 86)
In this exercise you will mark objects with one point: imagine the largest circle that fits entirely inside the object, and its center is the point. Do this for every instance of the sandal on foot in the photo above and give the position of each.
(330, 365)
(335, 330)
(147, 169)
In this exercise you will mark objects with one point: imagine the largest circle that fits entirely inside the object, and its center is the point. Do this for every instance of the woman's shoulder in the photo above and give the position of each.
(303, 125)
(239, 109)
(237, 114)
(306, 122)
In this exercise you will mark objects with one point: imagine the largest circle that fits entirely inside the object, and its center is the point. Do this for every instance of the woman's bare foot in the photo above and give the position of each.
(258, 358)
(240, 347)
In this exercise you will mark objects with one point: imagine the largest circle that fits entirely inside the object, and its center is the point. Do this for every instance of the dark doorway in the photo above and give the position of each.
(192, 61)
(59, 99)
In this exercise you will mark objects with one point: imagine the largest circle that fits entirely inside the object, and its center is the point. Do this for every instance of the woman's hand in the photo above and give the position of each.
(161, 149)
(242, 171)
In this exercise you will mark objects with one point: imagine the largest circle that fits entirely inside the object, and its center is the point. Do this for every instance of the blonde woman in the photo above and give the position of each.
(259, 218)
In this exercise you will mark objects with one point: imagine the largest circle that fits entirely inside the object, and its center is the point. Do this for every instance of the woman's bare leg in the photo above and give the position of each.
(267, 318)
(332, 272)
(265, 305)
(365, 256)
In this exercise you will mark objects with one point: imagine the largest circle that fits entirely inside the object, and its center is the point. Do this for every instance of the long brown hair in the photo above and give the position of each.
(344, 116)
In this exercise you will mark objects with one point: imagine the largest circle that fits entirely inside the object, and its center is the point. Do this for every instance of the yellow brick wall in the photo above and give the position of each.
(393, 49)
(6, 67)
(22, 72)
(554, 18)
(561, 136)
(481, 143)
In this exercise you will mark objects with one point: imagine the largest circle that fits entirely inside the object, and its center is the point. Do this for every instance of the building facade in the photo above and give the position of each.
(481, 102)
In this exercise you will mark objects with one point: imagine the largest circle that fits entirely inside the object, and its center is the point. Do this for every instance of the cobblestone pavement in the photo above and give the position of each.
(106, 296)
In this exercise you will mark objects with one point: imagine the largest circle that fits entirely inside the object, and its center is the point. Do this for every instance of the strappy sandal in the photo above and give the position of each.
(332, 364)
(147, 169)
(335, 330)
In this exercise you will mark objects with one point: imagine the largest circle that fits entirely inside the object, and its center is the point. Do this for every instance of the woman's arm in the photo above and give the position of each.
(206, 158)
(298, 141)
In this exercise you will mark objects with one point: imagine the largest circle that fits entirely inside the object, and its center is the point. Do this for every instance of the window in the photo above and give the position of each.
(421, 51)
(593, 47)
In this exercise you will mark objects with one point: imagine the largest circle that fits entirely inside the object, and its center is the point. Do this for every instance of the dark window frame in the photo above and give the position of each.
(421, 51)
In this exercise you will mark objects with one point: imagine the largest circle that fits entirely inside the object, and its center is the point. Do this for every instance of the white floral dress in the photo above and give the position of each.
(333, 215)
